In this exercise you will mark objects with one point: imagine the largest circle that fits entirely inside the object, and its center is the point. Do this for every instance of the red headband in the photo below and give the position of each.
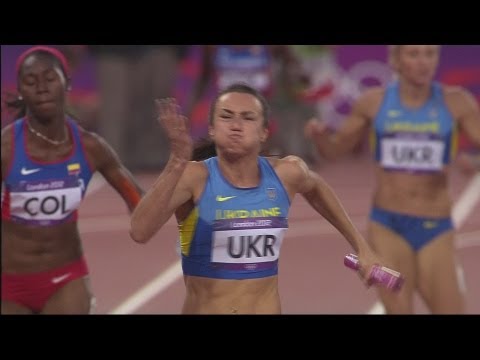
(57, 54)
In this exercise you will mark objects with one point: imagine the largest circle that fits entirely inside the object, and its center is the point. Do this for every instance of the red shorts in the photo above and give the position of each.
(33, 290)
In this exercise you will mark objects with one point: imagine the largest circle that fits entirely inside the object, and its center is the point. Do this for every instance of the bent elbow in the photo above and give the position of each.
(137, 234)
(138, 238)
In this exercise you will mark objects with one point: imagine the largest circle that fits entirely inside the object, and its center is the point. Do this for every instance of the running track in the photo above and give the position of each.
(146, 279)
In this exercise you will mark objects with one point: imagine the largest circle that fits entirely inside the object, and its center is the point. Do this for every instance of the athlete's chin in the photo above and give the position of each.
(45, 112)
(423, 80)
(232, 147)
(234, 153)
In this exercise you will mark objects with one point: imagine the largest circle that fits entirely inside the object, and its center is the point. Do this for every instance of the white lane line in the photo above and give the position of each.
(147, 292)
(301, 228)
(174, 272)
(466, 202)
(460, 212)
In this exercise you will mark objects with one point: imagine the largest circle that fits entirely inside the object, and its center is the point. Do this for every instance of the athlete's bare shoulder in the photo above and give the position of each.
(288, 160)
(197, 168)
(459, 100)
(7, 134)
(95, 145)
(7, 144)
(194, 178)
(294, 173)
(289, 168)
(454, 92)
(90, 140)
(98, 152)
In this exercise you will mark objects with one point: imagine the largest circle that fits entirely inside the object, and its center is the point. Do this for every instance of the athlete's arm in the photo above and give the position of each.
(467, 109)
(352, 130)
(175, 185)
(6, 149)
(298, 178)
(173, 188)
(106, 161)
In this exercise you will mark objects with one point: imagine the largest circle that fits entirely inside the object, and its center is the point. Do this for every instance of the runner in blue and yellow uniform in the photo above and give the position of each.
(233, 208)
(413, 125)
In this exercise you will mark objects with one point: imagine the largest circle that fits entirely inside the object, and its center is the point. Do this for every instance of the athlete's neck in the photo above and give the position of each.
(242, 173)
(414, 96)
(53, 128)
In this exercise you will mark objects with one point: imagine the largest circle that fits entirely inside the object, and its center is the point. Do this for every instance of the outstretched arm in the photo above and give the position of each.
(173, 186)
(333, 145)
(299, 179)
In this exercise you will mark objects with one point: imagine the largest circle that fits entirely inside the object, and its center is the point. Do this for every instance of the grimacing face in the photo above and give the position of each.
(42, 84)
(238, 124)
(416, 64)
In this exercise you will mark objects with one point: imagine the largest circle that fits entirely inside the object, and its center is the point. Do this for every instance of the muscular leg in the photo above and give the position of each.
(398, 255)
(10, 308)
(74, 298)
(437, 273)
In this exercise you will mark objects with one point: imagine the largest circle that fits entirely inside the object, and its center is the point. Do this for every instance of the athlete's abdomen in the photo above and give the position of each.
(34, 249)
(417, 194)
(220, 296)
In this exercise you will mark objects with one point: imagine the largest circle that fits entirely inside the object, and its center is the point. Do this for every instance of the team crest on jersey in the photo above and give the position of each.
(272, 193)
(73, 169)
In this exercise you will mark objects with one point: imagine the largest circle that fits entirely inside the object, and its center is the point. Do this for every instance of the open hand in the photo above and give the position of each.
(176, 127)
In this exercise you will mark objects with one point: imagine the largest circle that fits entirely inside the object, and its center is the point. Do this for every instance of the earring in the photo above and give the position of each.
(20, 98)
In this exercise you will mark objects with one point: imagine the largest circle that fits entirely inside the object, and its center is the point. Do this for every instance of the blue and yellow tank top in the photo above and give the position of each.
(235, 233)
(414, 140)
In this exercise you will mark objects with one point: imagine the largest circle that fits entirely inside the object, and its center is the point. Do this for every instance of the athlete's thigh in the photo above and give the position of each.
(392, 248)
(73, 298)
(11, 308)
(438, 281)
(396, 254)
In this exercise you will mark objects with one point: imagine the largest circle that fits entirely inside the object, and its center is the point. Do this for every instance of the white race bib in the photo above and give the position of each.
(409, 154)
(45, 201)
(247, 246)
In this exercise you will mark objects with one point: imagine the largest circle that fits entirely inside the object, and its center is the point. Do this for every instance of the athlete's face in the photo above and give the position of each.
(416, 63)
(42, 85)
(238, 124)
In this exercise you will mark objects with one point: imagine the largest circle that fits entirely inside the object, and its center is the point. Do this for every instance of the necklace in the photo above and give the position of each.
(47, 139)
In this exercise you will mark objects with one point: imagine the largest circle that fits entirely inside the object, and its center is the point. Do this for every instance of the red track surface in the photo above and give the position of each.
(312, 277)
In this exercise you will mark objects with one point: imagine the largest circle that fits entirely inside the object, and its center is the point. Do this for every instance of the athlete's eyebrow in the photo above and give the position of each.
(242, 113)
